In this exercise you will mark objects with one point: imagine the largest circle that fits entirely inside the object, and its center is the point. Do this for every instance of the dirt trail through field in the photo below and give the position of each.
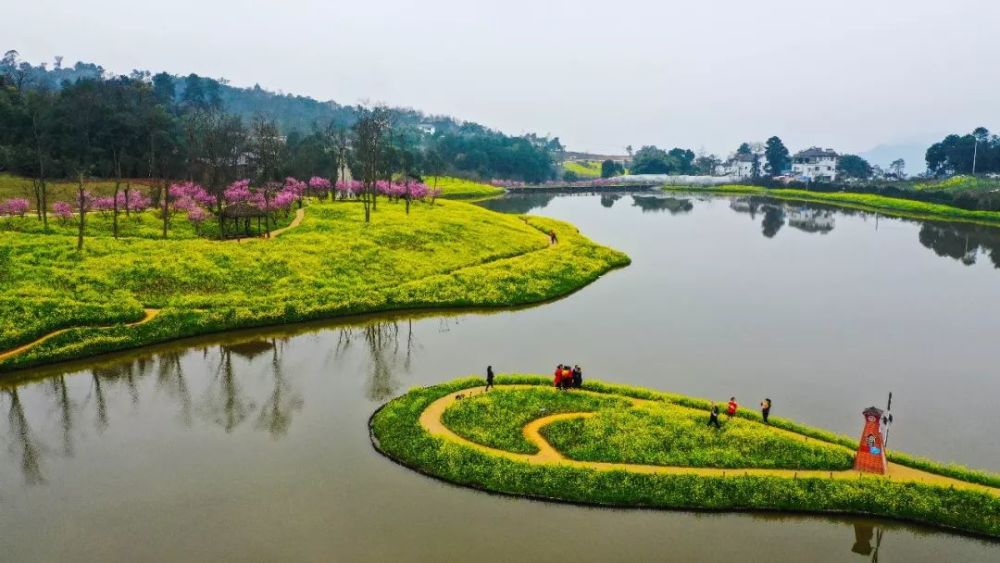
(299, 215)
(150, 314)
(431, 421)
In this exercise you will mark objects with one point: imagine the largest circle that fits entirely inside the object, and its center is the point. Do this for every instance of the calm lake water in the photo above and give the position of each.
(254, 446)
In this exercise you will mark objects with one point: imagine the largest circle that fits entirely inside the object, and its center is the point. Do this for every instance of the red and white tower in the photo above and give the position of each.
(871, 454)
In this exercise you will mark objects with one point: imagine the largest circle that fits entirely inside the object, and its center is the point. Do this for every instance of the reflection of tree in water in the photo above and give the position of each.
(276, 413)
(518, 203)
(24, 444)
(225, 402)
(774, 219)
(170, 377)
(385, 354)
(65, 406)
(652, 203)
(962, 242)
(608, 200)
(774, 214)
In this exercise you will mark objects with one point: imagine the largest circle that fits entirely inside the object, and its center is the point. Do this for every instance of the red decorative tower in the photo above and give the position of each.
(871, 456)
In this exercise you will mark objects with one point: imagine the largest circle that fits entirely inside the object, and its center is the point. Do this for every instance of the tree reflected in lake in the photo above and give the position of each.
(659, 204)
(963, 242)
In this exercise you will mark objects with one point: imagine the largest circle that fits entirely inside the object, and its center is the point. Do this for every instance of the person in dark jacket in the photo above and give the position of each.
(489, 377)
(577, 377)
(765, 409)
(713, 416)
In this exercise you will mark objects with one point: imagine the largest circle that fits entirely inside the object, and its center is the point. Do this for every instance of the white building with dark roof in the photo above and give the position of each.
(740, 165)
(815, 165)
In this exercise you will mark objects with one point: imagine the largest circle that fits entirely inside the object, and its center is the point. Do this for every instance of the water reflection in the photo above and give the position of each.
(608, 200)
(673, 205)
(963, 242)
(864, 533)
(24, 445)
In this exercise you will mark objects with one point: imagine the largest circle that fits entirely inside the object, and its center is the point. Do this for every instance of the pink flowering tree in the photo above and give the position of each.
(295, 187)
(15, 207)
(320, 186)
(63, 211)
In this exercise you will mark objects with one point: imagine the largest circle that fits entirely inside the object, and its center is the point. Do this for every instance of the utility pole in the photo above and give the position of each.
(975, 152)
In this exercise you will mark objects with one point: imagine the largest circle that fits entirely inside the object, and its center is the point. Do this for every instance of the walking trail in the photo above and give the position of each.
(150, 314)
(299, 214)
(431, 421)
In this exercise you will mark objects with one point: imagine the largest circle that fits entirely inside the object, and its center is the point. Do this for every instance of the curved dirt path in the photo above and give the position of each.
(431, 421)
(300, 213)
(150, 314)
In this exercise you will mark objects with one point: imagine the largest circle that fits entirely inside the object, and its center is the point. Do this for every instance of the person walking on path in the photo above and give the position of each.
(552, 237)
(713, 417)
(489, 378)
(577, 377)
(765, 409)
(732, 407)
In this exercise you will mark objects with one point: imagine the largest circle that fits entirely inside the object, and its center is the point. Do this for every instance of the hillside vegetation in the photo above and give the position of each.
(448, 254)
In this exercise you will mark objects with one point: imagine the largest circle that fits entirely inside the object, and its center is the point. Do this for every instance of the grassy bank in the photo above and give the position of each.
(397, 432)
(867, 202)
(584, 169)
(460, 188)
(449, 254)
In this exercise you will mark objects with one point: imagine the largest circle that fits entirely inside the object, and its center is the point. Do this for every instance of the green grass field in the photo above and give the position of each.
(449, 254)
(58, 190)
(647, 437)
(460, 188)
(585, 169)
(866, 202)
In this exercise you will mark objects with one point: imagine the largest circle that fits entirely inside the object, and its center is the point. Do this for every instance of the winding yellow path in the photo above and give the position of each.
(150, 314)
(300, 213)
(431, 421)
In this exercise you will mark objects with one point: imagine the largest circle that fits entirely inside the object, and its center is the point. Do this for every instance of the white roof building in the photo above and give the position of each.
(815, 165)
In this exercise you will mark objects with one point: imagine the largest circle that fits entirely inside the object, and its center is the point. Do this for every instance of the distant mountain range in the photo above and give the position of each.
(912, 153)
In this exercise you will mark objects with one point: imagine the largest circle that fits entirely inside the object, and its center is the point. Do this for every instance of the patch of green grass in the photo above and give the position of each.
(58, 190)
(664, 434)
(869, 202)
(496, 419)
(460, 188)
(585, 169)
(449, 254)
(959, 183)
(397, 433)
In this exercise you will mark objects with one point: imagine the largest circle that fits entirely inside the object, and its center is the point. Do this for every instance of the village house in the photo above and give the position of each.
(740, 165)
(815, 165)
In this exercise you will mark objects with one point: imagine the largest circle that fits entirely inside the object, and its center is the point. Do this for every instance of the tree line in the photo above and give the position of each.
(59, 122)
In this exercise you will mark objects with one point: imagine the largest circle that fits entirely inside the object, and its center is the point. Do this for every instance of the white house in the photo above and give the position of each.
(740, 166)
(815, 165)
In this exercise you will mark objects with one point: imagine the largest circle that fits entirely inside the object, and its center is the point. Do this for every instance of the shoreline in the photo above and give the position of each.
(889, 206)
(528, 275)
(397, 432)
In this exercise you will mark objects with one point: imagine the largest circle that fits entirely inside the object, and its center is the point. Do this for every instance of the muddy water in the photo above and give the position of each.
(253, 446)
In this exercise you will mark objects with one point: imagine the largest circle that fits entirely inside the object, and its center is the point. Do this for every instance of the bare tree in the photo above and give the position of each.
(370, 133)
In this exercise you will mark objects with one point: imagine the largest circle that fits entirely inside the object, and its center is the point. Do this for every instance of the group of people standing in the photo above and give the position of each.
(567, 377)
(731, 407)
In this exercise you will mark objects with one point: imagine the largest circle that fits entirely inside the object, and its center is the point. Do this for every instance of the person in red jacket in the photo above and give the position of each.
(731, 408)
(557, 380)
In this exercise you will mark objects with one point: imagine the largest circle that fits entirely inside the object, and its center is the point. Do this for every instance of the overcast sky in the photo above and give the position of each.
(847, 74)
